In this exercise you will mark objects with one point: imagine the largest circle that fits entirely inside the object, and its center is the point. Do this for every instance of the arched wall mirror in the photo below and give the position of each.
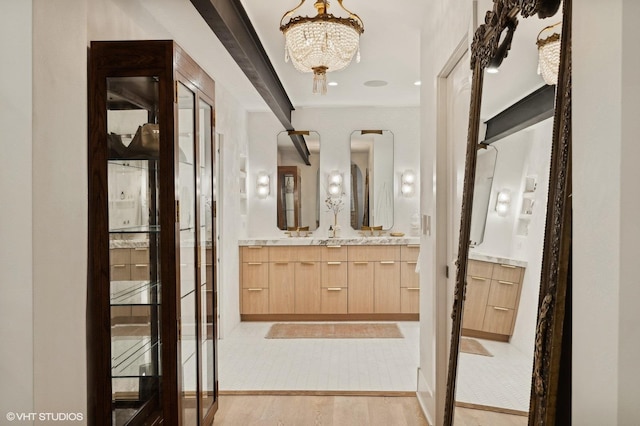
(297, 182)
(513, 272)
(372, 183)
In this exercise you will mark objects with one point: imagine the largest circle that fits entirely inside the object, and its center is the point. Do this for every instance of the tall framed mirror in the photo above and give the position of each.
(529, 202)
(297, 185)
(372, 179)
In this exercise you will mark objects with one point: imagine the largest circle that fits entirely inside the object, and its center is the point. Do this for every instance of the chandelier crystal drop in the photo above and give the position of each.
(323, 43)
(549, 56)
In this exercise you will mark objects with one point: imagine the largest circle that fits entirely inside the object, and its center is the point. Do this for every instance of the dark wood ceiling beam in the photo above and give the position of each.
(230, 23)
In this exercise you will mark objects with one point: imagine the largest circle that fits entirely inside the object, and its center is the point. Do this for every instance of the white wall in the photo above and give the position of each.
(16, 245)
(335, 126)
(446, 23)
(606, 105)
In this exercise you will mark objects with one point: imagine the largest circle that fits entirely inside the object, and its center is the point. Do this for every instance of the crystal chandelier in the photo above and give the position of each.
(549, 56)
(323, 43)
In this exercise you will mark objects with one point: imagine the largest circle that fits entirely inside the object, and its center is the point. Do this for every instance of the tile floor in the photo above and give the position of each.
(503, 380)
(248, 361)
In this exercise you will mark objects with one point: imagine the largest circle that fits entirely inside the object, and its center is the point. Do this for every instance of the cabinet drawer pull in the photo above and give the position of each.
(387, 262)
(118, 266)
(307, 263)
(334, 289)
(413, 288)
(360, 263)
(280, 263)
(141, 265)
(254, 263)
(335, 246)
(508, 266)
(478, 278)
(140, 248)
(255, 247)
(254, 289)
(506, 282)
(334, 263)
(411, 263)
(413, 245)
(500, 309)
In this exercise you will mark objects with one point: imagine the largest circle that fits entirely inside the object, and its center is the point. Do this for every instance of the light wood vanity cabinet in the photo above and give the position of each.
(338, 280)
(129, 264)
(491, 301)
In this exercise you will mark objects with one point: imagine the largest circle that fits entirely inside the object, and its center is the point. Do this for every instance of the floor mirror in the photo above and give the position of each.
(515, 289)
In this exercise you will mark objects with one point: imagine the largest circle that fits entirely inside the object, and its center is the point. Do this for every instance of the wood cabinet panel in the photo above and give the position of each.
(498, 320)
(408, 275)
(475, 302)
(334, 274)
(334, 253)
(284, 254)
(255, 301)
(255, 275)
(409, 253)
(410, 300)
(307, 288)
(309, 254)
(334, 300)
(255, 254)
(503, 294)
(387, 287)
(361, 287)
(373, 253)
(477, 268)
(139, 255)
(119, 256)
(281, 287)
(507, 273)
(121, 272)
(140, 272)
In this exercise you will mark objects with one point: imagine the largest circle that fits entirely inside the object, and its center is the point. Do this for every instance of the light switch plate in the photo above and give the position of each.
(426, 224)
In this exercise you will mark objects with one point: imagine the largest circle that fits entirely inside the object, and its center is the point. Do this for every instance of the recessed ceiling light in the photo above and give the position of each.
(375, 83)
(332, 83)
(417, 83)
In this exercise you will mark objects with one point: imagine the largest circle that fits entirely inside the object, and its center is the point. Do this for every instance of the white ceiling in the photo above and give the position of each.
(389, 49)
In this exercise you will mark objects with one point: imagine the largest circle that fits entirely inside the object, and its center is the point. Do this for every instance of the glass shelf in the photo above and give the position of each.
(138, 293)
(130, 354)
(146, 229)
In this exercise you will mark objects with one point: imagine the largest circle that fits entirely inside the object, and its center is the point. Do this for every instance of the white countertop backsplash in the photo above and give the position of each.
(347, 241)
(497, 259)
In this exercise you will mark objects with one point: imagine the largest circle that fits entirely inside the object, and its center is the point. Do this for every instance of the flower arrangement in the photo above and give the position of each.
(335, 205)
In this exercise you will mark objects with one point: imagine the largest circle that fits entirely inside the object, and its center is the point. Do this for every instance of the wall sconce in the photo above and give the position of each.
(263, 185)
(408, 183)
(503, 202)
(334, 184)
(549, 55)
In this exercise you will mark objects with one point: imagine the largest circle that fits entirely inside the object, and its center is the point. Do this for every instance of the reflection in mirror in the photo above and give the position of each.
(372, 179)
(297, 205)
(485, 168)
(506, 236)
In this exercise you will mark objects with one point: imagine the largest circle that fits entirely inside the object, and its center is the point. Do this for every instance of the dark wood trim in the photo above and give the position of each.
(230, 23)
(329, 317)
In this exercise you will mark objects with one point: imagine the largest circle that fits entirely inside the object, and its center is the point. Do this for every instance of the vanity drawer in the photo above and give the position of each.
(410, 300)
(120, 272)
(498, 320)
(408, 275)
(255, 274)
(409, 253)
(334, 300)
(477, 268)
(284, 254)
(507, 273)
(503, 294)
(119, 256)
(373, 253)
(140, 255)
(334, 253)
(334, 274)
(140, 272)
(255, 254)
(255, 300)
(308, 254)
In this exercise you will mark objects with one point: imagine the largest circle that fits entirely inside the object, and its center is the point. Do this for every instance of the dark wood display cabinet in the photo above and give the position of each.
(151, 294)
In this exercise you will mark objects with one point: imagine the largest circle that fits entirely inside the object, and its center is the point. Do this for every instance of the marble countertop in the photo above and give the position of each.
(347, 241)
(497, 259)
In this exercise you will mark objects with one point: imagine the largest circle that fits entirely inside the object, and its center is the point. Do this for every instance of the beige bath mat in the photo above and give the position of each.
(334, 331)
(472, 346)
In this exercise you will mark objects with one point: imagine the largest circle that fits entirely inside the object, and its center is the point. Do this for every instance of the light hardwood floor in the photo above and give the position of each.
(303, 410)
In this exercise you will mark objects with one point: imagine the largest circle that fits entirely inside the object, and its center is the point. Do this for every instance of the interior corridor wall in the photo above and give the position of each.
(16, 245)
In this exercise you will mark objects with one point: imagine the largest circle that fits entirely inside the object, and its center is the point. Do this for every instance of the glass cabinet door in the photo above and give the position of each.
(134, 275)
(187, 215)
(207, 257)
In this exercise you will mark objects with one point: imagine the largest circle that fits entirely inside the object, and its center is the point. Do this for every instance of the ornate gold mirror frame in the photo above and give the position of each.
(548, 377)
